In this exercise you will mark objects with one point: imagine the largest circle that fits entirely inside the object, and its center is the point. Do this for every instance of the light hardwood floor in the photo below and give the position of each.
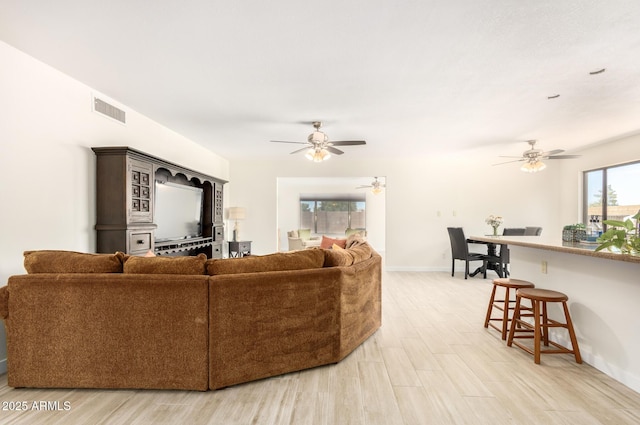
(432, 362)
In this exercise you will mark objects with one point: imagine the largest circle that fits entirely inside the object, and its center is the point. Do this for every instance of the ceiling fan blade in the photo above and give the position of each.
(363, 187)
(563, 157)
(508, 162)
(282, 141)
(553, 152)
(334, 150)
(300, 150)
(349, 143)
(508, 156)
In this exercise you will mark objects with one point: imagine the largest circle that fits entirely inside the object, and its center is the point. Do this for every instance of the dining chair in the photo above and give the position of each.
(460, 250)
(513, 231)
(532, 231)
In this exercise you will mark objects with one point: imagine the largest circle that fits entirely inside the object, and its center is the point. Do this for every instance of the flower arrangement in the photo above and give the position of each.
(494, 221)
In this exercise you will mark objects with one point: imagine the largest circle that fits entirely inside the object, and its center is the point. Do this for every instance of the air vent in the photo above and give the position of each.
(109, 110)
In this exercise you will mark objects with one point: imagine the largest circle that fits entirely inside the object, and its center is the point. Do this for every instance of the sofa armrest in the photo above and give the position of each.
(4, 302)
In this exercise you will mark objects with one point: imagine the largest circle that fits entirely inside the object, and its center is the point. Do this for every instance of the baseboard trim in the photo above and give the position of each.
(588, 357)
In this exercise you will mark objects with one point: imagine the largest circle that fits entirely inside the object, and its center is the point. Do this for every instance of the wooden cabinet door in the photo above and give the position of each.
(140, 191)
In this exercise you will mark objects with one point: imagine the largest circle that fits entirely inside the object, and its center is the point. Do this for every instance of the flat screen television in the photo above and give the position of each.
(178, 211)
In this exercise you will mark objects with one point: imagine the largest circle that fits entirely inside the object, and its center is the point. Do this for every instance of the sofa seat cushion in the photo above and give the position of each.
(56, 261)
(281, 261)
(193, 265)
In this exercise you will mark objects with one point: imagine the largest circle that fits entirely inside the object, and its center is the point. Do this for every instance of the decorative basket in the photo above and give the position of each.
(574, 235)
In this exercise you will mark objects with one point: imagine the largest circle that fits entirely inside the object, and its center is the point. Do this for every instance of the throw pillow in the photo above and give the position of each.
(55, 261)
(166, 265)
(281, 261)
(328, 242)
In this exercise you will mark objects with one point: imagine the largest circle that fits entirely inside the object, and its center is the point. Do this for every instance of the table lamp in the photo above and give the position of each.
(236, 213)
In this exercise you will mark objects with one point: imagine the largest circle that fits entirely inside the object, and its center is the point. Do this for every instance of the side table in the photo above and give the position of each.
(239, 248)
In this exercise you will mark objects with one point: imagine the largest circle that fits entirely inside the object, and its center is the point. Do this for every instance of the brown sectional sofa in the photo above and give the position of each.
(186, 322)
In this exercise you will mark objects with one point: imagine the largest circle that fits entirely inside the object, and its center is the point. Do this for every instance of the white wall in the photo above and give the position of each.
(47, 189)
(422, 198)
(426, 195)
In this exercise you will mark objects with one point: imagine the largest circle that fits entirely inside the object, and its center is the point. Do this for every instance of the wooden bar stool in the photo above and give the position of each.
(541, 323)
(503, 305)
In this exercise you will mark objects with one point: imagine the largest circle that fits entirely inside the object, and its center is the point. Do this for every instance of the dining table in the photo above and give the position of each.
(493, 259)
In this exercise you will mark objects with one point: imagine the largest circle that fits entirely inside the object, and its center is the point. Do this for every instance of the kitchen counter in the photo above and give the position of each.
(557, 244)
(604, 295)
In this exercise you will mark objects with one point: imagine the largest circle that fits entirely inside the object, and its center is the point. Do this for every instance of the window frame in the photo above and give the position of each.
(604, 188)
(316, 199)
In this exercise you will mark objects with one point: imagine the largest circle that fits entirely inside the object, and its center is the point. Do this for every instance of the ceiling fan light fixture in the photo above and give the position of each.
(533, 166)
(317, 155)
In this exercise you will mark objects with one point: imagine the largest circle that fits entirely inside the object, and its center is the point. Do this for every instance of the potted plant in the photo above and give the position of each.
(574, 232)
(623, 236)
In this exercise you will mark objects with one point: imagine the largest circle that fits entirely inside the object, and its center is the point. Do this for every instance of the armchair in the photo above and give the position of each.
(301, 239)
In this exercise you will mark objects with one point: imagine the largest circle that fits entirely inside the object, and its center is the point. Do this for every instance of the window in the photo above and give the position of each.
(332, 215)
(612, 193)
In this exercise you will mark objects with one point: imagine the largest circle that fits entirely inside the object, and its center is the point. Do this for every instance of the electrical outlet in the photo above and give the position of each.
(543, 267)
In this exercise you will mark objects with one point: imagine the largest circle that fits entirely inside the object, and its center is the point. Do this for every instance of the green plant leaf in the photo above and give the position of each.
(615, 223)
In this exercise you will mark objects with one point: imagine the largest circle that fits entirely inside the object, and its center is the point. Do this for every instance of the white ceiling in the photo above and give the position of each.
(412, 77)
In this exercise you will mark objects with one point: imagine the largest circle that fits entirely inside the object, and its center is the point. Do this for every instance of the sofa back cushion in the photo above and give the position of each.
(354, 240)
(337, 257)
(360, 252)
(281, 261)
(166, 265)
(357, 253)
(56, 261)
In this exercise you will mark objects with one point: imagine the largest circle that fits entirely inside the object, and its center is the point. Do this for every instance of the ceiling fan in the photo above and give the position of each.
(319, 148)
(532, 158)
(376, 186)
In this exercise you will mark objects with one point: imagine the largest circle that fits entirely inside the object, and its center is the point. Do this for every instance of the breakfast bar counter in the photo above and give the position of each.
(557, 244)
(604, 296)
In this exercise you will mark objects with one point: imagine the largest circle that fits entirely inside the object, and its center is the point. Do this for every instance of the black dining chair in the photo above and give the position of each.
(532, 231)
(460, 250)
(513, 231)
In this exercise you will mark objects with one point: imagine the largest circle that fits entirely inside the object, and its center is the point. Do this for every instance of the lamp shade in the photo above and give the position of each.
(237, 213)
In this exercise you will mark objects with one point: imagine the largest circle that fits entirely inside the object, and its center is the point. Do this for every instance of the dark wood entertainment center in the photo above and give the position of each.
(125, 204)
